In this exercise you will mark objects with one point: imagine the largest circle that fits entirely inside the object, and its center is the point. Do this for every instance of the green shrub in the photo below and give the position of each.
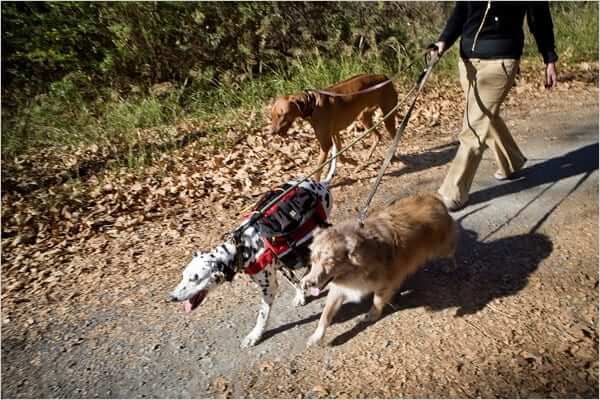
(81, 72)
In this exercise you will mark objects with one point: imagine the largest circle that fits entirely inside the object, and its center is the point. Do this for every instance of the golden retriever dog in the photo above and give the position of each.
(332, 110)
(393, 243)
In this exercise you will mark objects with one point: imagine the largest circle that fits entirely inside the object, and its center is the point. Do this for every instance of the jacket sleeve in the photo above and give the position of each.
(540, 24)
(454, 26)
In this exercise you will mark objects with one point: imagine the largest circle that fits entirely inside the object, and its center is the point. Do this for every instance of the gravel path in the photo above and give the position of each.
(519, 318)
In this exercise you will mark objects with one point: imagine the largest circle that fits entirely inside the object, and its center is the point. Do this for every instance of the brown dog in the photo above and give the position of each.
(329, 113)
(378, 257)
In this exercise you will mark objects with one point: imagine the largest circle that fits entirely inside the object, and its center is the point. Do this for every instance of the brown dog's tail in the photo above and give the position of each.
(331, 170)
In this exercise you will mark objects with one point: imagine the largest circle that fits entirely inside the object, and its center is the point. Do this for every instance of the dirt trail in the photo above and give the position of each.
(518, 319)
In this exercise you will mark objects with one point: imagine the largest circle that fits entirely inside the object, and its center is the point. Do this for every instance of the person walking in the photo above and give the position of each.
(491, 46)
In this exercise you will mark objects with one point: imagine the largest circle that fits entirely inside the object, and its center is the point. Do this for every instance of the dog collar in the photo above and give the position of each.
(310, 104)
(229, 272)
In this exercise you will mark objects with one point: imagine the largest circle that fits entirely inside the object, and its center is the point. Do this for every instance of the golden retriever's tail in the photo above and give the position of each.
(331, 171)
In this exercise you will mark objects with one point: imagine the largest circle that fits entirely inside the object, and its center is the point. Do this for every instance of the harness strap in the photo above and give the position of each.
(309, 106)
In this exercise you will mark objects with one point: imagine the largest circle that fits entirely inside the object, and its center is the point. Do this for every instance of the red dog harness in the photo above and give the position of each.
(287, 226)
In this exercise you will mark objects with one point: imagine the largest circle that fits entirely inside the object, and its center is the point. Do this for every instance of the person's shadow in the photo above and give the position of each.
(413, 162)
(486, 271)
(584, 160)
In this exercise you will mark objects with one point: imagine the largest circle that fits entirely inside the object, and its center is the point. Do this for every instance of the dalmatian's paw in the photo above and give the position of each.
(299, 299)
(250, 340)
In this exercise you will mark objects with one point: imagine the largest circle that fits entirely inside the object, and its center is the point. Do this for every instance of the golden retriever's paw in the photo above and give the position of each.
(315, 340)
(370, 317)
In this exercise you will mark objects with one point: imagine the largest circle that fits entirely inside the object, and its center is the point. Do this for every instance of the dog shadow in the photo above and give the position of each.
(486, 271)
(414, 162)
(291, 325)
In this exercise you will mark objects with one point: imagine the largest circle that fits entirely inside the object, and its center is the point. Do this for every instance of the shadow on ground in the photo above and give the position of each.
(584, 160)
(487, 271)
(414, 162)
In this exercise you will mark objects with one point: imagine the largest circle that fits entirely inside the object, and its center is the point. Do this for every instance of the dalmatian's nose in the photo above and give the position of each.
(172, 298)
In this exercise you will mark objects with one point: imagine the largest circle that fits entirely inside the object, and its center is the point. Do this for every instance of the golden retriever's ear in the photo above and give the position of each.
(320, 229)
(317, 230)
(353, 243)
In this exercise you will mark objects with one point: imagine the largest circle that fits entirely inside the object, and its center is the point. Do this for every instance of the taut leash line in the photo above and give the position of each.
(362, 214)
(375, 87)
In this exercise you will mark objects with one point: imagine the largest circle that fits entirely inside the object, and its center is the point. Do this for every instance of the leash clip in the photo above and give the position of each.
(362, 214)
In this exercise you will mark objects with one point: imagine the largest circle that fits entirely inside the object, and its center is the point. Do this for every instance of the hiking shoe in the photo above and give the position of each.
(500, 176)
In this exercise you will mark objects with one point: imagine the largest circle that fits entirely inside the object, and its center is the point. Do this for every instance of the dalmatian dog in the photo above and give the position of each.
(207, 270)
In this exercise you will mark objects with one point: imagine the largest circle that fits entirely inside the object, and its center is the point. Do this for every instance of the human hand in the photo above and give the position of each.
(439, 48)
(550, 77)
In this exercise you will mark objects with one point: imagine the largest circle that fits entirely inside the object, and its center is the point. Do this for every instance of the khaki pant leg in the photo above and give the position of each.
(495, 81)
(507, 153)
(486, 84)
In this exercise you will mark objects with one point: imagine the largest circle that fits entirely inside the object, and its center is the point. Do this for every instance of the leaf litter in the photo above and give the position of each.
(58, 206)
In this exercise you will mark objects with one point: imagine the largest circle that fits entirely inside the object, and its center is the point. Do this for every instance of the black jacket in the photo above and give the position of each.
(501, 35)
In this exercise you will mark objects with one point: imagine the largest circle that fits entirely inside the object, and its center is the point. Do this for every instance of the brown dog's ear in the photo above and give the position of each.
(299, 103)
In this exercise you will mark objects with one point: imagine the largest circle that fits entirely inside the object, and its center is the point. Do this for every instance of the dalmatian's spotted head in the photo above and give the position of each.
(202, 274)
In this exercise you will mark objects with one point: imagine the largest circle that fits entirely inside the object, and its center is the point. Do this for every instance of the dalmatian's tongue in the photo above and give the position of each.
(194, 301)
(315, 291)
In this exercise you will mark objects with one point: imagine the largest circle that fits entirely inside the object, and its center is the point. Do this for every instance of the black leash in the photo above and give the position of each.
(362, 214)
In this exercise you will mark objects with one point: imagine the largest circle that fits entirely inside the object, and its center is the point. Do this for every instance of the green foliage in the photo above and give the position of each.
(576, 30)
(150, 42)
(82, 72)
